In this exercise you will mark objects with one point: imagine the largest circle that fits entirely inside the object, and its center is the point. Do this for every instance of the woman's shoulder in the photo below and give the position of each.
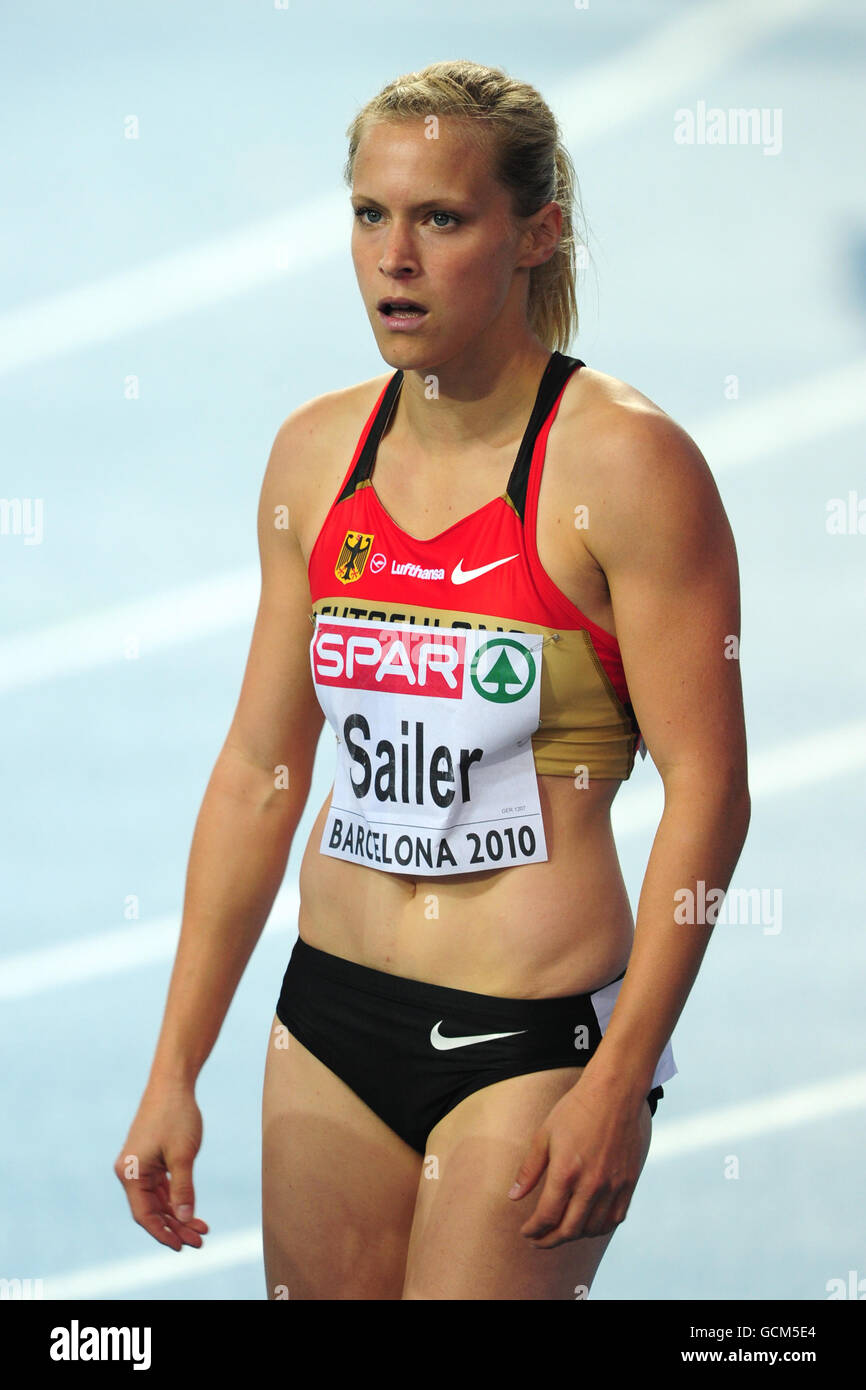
(637, 474)
(625, 434)
(635, 469)
(325, 426)
(332, 409)
(314, 443)
(610, 401)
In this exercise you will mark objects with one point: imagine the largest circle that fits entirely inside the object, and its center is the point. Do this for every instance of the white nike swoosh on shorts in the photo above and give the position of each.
(442, 1044)
(461, 576)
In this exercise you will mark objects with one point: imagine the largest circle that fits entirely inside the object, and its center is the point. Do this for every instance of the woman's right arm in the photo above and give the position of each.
(239, 851)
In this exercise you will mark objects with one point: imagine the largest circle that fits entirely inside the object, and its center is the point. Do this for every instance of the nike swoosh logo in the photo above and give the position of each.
(442, 1044)
(462, 576)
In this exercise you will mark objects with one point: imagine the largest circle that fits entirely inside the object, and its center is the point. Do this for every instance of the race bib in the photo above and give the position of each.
(435, 771)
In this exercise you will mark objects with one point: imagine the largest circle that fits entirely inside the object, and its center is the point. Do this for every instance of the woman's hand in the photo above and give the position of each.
(155, 1164)
(593, 1144)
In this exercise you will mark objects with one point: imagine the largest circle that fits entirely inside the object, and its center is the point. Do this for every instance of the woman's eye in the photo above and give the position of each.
(361, 213)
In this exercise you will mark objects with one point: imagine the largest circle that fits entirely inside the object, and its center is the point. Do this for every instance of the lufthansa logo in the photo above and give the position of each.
(501, 675)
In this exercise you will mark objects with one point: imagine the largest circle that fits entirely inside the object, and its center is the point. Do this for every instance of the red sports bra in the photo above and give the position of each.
(483, 571)
(453, 671)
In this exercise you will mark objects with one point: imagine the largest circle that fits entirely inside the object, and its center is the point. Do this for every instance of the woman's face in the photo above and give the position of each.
(432, 225)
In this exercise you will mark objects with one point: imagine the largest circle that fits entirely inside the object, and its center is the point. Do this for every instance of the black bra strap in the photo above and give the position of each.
(557, 372)
(367, 457)
(559, 368)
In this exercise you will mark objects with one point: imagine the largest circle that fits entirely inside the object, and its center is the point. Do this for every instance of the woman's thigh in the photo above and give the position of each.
(466, 1241)
(338, 1185)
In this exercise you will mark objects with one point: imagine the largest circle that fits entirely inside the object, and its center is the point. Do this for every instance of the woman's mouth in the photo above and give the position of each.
(401, 314)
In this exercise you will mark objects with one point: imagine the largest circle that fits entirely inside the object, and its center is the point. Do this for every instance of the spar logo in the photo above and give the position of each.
(364, 656)
(353, 556)
(501, 678)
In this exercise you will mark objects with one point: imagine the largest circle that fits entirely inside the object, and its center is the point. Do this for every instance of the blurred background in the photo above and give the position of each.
(175, 279)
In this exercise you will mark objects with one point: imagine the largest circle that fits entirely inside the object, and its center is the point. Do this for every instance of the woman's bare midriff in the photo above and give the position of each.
(561, 926)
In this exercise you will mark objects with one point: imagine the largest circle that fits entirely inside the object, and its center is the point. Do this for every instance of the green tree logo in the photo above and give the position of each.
(502, 674)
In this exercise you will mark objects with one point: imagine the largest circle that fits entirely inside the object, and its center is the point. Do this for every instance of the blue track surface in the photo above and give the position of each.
(710, 262)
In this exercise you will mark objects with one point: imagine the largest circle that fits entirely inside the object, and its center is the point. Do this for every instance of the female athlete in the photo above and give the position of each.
(498, 573)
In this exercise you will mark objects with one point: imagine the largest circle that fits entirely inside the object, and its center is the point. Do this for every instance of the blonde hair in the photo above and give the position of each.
(511, 121)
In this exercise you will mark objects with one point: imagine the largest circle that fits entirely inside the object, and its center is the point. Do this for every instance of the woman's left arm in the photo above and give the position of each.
(658, 530)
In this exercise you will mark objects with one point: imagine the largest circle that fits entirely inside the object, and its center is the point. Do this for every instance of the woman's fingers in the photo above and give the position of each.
(531, 1168)
(155, 1166)
(181, 1195)
(150, 1202)
(147, 1213)
(587, 1214)
(163, 1225)
(190, 1232)
(587, 1218)
(193, 1224)
(551, 1206)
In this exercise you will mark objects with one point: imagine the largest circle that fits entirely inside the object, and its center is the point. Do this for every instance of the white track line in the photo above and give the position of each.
(665, 65)
(763, 1115)
(274, 249)
(100, 639)
(589, 104)
(111, 952)
(798, 763)
(723, 1128)
(815, 758)
(797, 414)
(787, 418)
(163, 1267)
